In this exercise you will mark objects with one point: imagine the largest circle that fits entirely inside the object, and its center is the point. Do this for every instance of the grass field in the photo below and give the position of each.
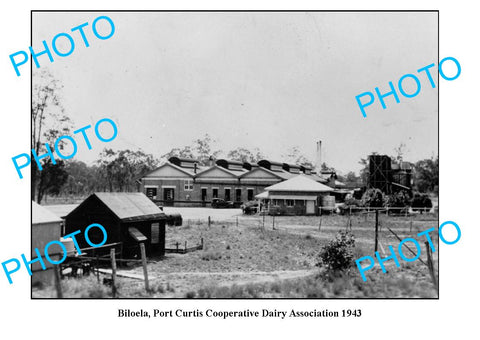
(273, 257)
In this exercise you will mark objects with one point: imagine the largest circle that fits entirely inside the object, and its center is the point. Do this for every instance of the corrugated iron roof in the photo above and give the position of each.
(130, 205)
(299, 183)
(41, 215)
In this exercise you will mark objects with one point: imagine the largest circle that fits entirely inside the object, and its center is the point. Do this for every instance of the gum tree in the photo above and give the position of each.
(48, 123)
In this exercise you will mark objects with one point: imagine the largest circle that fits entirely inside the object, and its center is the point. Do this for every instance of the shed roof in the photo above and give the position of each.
(299, 183)
(128, 206)
(41, 215)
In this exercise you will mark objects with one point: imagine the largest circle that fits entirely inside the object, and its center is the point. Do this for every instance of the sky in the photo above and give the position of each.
(267, 80)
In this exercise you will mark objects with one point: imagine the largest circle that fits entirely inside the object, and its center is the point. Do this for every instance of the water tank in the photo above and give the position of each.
(328, 203)
(68, 243)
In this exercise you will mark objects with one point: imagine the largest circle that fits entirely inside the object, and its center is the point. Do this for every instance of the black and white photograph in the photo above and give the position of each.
(240, 170)
(235, 154)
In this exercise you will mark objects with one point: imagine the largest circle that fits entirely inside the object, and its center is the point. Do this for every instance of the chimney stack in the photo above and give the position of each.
(318, 157)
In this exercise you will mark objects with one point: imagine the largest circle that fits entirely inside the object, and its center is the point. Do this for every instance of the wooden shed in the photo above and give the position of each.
(128, 218)
(46, 227)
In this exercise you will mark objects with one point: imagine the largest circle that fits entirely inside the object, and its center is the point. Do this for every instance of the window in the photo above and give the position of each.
(204, 194)
(290, 203)
(227, 194)
(214, 192)
(238, 194)
(249, 194)
(188, 185)
(151, 193)
(155, 233)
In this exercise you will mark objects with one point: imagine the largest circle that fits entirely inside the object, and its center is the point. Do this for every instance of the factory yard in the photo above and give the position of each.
(256, 257)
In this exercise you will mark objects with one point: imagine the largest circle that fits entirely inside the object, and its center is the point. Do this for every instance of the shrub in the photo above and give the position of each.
(373, 198)
(338, 254)
(211, 255)
(421, 201)
(398, 200)
(190, 295)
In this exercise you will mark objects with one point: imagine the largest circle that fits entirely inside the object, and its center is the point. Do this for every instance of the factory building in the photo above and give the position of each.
(183, 182)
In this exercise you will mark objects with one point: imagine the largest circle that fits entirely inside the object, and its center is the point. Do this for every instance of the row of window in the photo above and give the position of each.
(227, 194)
(188, 186)
(288, 203)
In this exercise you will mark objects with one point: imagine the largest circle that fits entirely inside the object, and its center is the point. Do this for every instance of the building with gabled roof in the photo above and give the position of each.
(184, 182)
(299, 195)
(46, 227)
(125, 216)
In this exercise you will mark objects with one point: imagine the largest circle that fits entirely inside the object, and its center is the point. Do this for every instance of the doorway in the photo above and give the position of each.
(168, 196)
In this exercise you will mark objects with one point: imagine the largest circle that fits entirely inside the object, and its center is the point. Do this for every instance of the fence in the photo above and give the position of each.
(179, 250)
(99, 256)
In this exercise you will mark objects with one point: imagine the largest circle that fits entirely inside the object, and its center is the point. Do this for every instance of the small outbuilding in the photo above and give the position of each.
(299, 195)
(46, 227)
(128, 218)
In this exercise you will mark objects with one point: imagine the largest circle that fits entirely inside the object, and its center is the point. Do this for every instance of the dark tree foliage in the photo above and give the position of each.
(48, 123)
(51, 178)
(373, 198)
(421, 201)
(118, 170)
(338, 254)
(426, 175)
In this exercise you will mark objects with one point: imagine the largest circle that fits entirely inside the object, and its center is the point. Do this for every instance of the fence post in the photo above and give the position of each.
(273, 222)
(185, 247)
(263, 223)
(97, 265)
(237, 221)
(58, 286)
(177, 246)
(376, 230)
(114, 272)
(144, 264)
(320, 223)
(201, 240)
(209, 221)
(430, 266)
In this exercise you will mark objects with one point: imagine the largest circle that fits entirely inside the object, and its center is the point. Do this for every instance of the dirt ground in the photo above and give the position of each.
(255, 250)
(280, 252)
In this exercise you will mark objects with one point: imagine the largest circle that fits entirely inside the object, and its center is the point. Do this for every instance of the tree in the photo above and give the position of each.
(245, 155)
(48, 122)
(399, 151)
(120, 169)
(426, 175)
(51, 178)
(295, 156)
(185, 152)
(373, 198)
(82, 179)
(201, 150)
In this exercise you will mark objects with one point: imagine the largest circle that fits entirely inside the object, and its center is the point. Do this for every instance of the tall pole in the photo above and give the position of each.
(376, 230)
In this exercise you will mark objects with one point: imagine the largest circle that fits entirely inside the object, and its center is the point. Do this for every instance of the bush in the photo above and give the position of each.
(398, 200)
(421, 201)
(350, 205)
(211, 255)
(338, 254)
(373, 198)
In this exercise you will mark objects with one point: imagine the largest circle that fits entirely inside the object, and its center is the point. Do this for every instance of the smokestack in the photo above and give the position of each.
(318, 157)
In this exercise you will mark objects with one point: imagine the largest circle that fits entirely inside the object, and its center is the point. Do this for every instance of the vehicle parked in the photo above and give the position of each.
(221, 203)
(250, 207)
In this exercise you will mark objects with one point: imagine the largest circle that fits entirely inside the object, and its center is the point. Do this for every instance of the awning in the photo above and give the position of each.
(136, 234)
(263, 195)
